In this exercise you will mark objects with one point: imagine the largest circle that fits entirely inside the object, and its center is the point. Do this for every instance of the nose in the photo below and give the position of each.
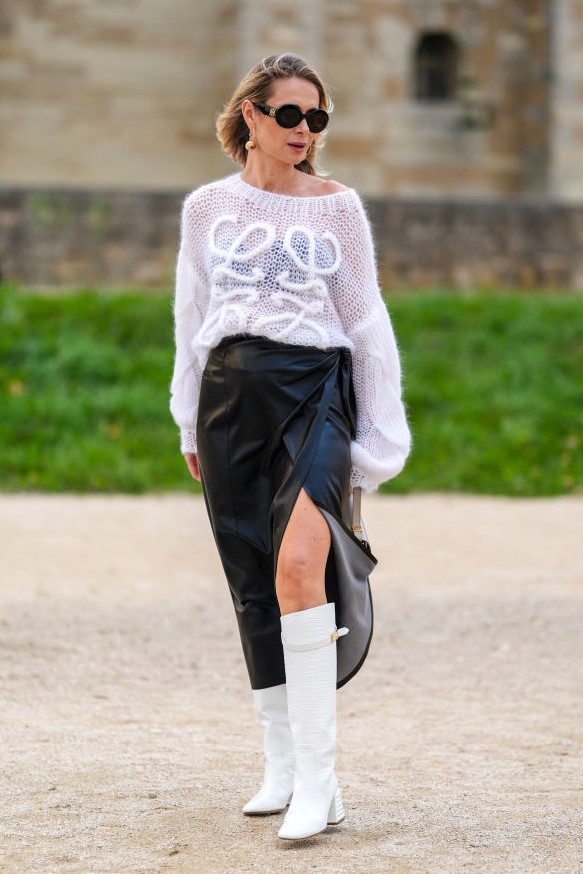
(303, 126)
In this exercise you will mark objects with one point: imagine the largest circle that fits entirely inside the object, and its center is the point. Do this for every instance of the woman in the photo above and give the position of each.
(286, 389)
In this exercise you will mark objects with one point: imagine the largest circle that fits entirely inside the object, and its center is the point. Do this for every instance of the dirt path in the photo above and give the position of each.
(127, 738)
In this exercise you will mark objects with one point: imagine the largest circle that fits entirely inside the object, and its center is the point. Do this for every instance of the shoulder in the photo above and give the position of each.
(348, 200)
(334, 196)
(200, 207)
(330, 186)
(320, 186)
(206, 195)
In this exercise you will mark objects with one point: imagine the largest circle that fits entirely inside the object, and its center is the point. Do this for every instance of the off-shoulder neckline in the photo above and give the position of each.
(239, 184)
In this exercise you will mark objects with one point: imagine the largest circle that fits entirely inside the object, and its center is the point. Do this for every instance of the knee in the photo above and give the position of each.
(298, 586)
(294, 571)
(301, 565)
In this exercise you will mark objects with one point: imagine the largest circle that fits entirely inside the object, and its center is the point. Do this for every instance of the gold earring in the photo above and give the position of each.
(250, 144)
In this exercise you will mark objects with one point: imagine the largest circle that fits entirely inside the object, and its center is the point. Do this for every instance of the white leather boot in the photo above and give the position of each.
(309, 647)
(275, 793)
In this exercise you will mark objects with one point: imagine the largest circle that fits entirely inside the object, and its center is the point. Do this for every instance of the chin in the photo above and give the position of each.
(297, 159)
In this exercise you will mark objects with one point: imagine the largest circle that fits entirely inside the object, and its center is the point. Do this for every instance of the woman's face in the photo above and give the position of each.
(289, 145)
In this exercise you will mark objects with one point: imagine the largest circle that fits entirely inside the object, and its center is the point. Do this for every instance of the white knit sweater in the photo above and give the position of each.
(296, 269)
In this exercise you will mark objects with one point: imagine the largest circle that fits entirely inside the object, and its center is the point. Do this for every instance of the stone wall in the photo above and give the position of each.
(566, 128)
(109, 94)
(510, 243)
(65, 238)
(76, 238)
(105, 94)
(490, 140)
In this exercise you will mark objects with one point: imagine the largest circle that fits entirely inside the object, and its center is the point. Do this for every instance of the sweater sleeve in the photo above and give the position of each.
(383, 439)
(190, 303)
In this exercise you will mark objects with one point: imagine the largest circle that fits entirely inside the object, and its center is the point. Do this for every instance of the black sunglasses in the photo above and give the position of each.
(290, 115)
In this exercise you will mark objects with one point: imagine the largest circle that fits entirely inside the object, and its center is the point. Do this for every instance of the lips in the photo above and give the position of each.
(297, 147)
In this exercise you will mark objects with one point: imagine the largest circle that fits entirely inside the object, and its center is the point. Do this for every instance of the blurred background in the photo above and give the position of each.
(460, 121)
(446, 110)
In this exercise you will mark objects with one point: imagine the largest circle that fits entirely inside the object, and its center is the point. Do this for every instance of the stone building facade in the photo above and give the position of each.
(461, 99)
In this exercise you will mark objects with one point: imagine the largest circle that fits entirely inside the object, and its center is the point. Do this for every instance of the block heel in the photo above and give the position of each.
(336, 812)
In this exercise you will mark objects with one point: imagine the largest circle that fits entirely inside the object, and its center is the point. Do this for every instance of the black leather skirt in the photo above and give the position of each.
(275, 418)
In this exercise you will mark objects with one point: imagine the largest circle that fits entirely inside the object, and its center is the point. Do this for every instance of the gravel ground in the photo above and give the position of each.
(127, 737)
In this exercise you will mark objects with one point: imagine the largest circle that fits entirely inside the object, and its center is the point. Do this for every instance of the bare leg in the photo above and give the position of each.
(301, 566)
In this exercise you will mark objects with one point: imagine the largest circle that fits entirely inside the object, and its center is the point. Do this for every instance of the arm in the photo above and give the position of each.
(383, 440)
(190, 302)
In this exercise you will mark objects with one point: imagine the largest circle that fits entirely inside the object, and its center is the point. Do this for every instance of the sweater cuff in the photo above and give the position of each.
(187, 441)
(369, 472)
(359, 481)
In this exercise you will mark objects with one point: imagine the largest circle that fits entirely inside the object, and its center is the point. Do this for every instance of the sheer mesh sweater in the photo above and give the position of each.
(300, 270)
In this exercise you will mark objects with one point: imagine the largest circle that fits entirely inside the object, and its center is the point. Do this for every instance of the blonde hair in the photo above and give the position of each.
(232, 131)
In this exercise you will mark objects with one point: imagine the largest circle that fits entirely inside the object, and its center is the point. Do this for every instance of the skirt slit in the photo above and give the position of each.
(275, 418)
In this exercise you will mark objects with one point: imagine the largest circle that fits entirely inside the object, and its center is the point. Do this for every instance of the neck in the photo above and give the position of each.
(272, 176)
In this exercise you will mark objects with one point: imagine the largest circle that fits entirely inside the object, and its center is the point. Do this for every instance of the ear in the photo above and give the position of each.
(248, 112)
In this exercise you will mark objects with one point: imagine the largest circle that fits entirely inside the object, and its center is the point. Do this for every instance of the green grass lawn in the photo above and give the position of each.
(493, 384)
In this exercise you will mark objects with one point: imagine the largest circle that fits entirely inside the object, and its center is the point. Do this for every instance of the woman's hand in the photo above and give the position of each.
(191, 459)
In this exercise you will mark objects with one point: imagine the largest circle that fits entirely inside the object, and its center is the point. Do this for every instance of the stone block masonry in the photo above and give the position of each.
(64, 238)
(113, 95)
(510, 243)
(81, 238)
